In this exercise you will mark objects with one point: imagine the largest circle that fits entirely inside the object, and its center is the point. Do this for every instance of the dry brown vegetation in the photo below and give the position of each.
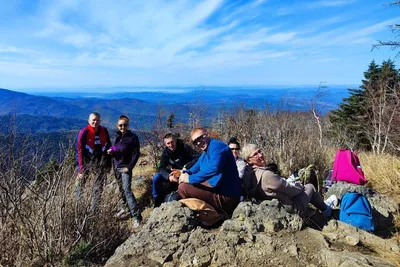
(41, 224)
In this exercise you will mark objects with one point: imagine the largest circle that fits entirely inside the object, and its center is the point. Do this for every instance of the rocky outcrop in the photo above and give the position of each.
(383, 207)
(258, 234)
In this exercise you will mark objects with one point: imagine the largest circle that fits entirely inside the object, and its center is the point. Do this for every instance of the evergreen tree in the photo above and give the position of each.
(351, 115)
(367, 118)
(389, 73)
(170, 121)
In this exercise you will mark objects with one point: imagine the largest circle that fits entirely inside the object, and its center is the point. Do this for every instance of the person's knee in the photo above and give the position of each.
(310, 187)
(182, 190)
(157, 178)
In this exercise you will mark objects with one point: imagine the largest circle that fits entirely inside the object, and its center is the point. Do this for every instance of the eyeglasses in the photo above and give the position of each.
(198, 140)
(123, 125)
(257, 153)
(235, 148)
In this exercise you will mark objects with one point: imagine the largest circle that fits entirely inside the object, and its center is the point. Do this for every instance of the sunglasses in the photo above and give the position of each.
(123, 125)
(235, 148)
(198, 140)
(257, 153)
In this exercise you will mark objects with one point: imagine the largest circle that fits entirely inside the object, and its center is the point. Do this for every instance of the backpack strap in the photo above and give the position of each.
(336, 165)
(250, 193)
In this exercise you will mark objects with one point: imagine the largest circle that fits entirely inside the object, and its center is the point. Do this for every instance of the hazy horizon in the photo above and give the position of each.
(170, 88)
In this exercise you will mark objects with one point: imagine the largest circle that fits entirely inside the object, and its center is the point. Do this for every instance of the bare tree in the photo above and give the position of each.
(315, 107)
(383, 109)
(395, 28)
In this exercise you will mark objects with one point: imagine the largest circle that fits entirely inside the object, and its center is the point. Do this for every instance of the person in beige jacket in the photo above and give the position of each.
(261, 182)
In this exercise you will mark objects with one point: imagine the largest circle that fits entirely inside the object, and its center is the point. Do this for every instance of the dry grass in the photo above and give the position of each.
(383, 173)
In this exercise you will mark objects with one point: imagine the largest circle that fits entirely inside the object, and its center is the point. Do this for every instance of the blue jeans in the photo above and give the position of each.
(124, 182)
(162, 187)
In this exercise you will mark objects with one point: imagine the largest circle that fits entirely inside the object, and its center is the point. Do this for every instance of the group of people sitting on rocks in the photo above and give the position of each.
(218, 176)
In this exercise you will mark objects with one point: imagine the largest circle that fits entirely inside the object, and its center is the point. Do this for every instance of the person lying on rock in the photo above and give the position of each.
(262, 182)
(214, 178)
(175, 156)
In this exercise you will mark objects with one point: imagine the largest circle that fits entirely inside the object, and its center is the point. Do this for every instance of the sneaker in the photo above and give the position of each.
(332, 201)
(136, 222)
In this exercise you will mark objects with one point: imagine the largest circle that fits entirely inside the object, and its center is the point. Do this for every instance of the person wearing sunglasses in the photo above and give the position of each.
(93, 141)
(235, 148)
(214, 178)
(126, 152)
(262, 182)
(176, 155)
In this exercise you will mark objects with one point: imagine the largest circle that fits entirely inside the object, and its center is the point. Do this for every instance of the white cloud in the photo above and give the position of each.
(345, 35)
(162, 35)
(16, 50)
(330, 3)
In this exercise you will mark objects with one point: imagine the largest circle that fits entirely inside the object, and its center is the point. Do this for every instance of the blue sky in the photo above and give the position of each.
(73, 43)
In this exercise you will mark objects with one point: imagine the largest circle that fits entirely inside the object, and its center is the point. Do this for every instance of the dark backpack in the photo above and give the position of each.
(355, 210)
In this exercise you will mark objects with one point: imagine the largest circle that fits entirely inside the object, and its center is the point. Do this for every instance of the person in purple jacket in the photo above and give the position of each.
(126, 152)
(214, 178)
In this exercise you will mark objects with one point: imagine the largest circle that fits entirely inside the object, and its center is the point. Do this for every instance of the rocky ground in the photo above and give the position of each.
(262, 234)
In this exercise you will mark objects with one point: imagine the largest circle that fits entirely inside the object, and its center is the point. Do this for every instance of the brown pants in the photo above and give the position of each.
(223, 204)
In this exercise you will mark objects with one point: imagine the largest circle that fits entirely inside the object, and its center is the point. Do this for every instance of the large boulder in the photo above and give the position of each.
(383, 207)
(268, 216)
(262, 234)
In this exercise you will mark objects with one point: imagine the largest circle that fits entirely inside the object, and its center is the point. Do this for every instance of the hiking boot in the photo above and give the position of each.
(156, 202)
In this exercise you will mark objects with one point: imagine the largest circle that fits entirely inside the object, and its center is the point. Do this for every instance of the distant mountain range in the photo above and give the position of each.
(60, 111)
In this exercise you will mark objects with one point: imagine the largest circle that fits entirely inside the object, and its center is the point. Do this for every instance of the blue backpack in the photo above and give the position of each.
(356, 210)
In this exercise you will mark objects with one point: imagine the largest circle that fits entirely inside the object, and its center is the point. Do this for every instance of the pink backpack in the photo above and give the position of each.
(347, 168)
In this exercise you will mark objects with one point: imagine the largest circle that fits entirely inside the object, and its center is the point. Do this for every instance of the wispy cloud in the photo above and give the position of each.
(330, 3)
(153, 37)
(15, 50)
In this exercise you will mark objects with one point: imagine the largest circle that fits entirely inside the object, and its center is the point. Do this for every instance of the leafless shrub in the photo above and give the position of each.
(41, 222)
(292, 139)
(382, 126)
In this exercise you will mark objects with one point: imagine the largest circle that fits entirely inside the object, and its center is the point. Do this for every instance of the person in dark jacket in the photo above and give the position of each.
(126, 152)
(93, 141)
(175, 156)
